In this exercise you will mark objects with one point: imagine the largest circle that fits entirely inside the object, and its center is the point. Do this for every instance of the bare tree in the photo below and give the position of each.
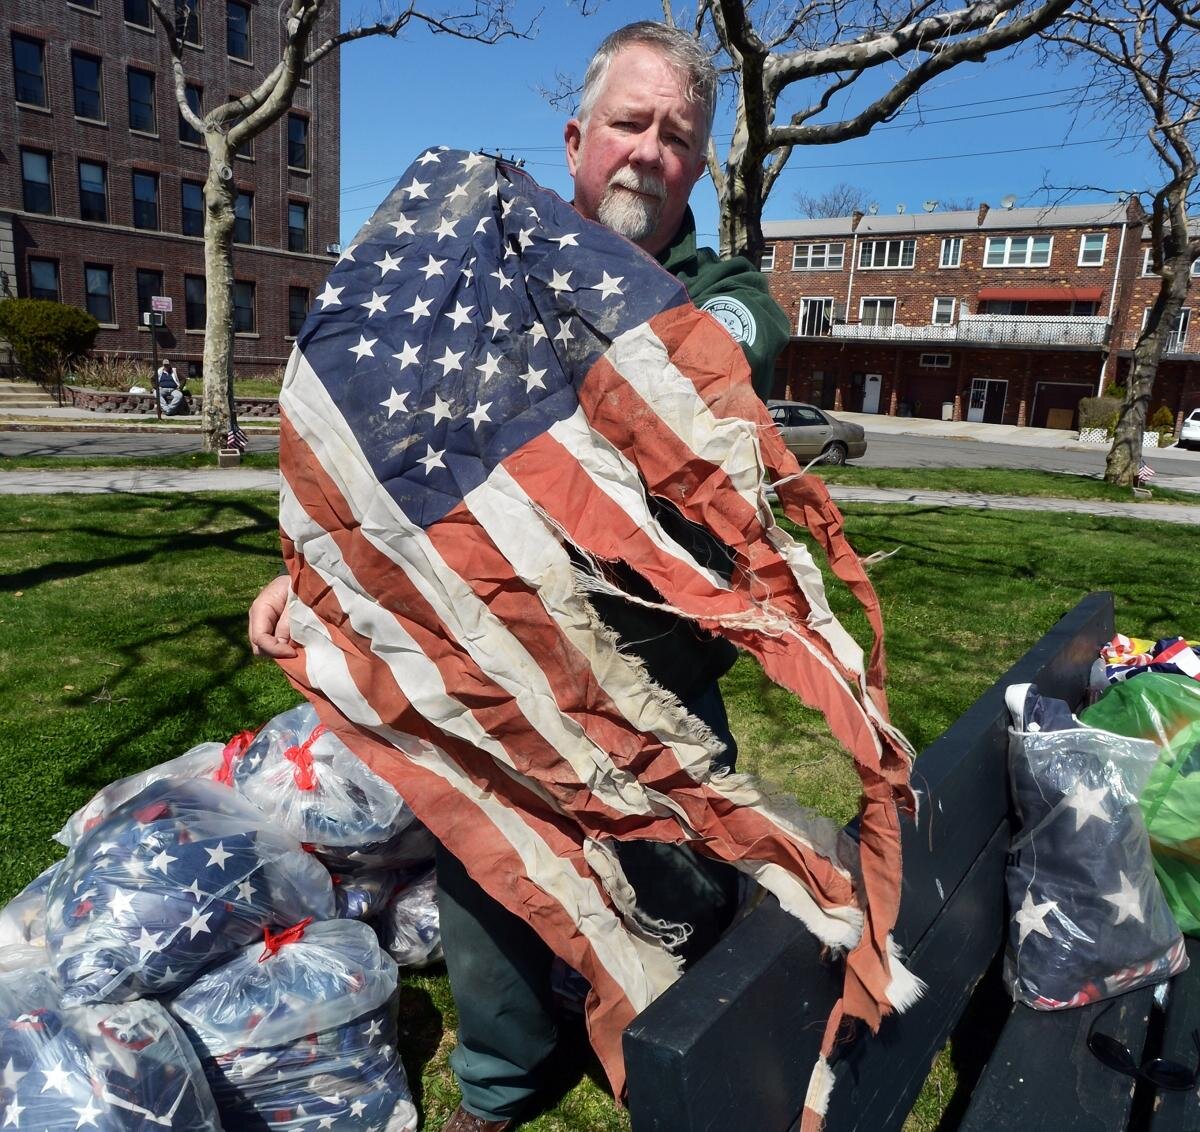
(841, 199)
(957, 204)
(1146, 63)
(307, 38)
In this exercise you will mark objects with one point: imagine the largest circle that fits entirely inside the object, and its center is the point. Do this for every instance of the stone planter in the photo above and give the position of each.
(229, 457)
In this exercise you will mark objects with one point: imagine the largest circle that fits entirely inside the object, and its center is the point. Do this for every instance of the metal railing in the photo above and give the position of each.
(991, 330)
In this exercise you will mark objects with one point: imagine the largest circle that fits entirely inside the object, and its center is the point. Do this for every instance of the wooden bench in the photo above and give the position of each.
(731, 1045)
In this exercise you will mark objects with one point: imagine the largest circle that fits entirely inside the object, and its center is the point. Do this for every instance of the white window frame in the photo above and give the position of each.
(952, 245)
(767, 262)
(1083, 242)
(862, 306)
(827, 303)
(1012, 242)
(953, 307)
(887, 245)
(936, 361)
(1147, 265)
(1196, 268)
(827, 257)
(1179, 332)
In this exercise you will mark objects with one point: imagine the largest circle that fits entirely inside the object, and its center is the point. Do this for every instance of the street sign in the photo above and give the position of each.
(161, 303)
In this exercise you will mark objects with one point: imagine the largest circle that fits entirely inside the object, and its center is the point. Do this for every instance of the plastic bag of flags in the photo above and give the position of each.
(174, 879)
(301, 1033)
(363, 895)
(410, 927)
(124, 1067)
(308, 781)
(23, 925)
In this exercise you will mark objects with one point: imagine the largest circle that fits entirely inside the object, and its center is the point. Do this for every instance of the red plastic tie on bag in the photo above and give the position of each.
(304, 775)
(272, 943)
(234, 750)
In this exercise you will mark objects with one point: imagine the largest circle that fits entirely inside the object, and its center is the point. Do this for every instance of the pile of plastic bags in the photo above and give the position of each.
(213, 951)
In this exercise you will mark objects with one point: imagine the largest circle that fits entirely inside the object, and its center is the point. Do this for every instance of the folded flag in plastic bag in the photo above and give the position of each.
(23, 925)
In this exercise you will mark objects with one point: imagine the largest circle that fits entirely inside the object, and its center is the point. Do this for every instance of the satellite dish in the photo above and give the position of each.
(900, 209)
(873, 208)
(1008, 201)
(930, 205)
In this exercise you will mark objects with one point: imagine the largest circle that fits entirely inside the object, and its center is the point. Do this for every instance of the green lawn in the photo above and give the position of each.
(122, 643)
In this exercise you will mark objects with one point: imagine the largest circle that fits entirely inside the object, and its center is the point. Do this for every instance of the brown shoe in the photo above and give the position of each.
(464, 1121)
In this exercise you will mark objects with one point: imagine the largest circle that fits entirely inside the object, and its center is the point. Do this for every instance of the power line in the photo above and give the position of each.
(952, 156)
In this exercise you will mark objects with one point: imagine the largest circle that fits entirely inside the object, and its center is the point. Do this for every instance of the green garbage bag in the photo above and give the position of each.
(1170, 803)
(1151, 705)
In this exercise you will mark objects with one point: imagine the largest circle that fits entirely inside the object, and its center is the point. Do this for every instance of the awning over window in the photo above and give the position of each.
(1043, 294)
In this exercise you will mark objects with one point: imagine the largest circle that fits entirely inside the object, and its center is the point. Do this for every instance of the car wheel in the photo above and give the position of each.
(835, 453)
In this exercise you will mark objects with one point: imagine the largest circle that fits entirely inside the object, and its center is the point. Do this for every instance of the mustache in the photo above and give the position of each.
(646, 183)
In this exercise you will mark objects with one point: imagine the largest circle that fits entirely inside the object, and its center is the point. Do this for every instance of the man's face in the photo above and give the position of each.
(640, 152)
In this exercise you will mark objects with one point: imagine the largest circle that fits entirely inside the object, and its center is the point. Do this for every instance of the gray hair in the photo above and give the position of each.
(677, 47)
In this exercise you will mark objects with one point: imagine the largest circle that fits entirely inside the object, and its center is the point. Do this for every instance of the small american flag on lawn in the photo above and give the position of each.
(486, 381)
(1145, 473)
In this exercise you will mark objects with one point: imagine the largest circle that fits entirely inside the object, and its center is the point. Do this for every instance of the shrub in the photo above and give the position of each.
(1162, 421)
(1112, 389)
(46, 336)
(113, 372)
(1099, 412)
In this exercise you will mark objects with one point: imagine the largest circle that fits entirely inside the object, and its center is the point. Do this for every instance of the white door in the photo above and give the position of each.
(872, 385)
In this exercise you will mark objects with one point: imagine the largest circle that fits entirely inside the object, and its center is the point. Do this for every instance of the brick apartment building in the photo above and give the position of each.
(101, 180)
(1006, 315)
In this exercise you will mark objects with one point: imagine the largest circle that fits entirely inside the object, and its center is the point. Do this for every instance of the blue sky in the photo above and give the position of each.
(986, 130)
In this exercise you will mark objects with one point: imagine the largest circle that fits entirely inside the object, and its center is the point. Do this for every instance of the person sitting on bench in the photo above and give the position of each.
(169, 390)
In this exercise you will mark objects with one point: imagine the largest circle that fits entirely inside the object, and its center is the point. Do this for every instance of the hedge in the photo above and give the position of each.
(46, 336)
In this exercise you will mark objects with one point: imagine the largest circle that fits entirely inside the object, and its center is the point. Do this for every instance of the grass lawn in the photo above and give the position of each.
(122, 643)
(182, 460)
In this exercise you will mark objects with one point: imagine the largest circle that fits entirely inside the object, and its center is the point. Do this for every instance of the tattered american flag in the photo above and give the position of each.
(487, 380)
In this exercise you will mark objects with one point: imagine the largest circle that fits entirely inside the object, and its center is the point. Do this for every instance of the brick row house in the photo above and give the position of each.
(1006, 315)
(101, 179)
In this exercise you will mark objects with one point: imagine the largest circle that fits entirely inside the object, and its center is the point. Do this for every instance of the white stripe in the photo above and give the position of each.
(641, 968)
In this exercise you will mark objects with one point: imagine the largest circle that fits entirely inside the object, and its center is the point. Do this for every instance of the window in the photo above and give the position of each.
(237, 30)
(149, 284)
(816, 316)
(243, 307)
(85, 78)
(187, 133)
(1018, 251)
(877, 312)
(297, 147)
(43, 279)
(1084, 307)
(138, 12)
(1091, 249)
(193, 208)
(943, 311)
(767, 262)
(93, 192)
(887, 253)
(89, 5)
(935, 361)
(951, 252)
(297, 226)
(818, 257)
(1004, 306)
(195, 302)
(29, 70)
(243, 218)
(98, 283)
(1178, 334)
(36, 192)
(297, 309)
(145, 200)
(1147, 262)
(141, 102)
(187, 21)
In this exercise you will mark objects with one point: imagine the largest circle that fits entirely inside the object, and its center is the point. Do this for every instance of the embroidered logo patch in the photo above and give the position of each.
(735, 316)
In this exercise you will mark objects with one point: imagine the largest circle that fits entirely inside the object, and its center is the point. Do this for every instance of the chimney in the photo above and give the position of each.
(855, 219)
(983, 211)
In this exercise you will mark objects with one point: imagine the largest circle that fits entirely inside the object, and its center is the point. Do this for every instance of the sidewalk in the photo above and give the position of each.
(70, 419)
(966, 430)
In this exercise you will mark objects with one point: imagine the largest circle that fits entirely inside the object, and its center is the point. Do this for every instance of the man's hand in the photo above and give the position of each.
(270, 631)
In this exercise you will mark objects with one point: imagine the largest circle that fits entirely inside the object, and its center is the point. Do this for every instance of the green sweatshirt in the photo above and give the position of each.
(735, 293)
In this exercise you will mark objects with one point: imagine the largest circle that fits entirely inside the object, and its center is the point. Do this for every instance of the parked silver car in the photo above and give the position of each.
(809, 431)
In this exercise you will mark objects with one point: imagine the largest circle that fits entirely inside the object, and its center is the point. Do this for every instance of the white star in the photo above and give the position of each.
(403, 226)
(609, 286)
(374, 1029)
(416, 189)
(432, 459)
(533, 379)
(1032, 917)
(456, 192)
(525, 237)
(564, 331)
(197, 923)
(120, 903)
(537, 332)
(533, 212)
(12, 1115)
(388, 263)
(479, 414)
(363, 349)
(419, 309)
(481, 226)
(169, 976)
(194, 889)
(161, 860)
(396, 403)
(429, 157)
(450, 361)
(506, 208)
(147, 942)
(1127, 901)
(87, 1114)
(490, 367)
(505, 280)
(325, 1122)
(468, 272)
(459, 315)
(559, 282)
(348, 255)
(1087, 804)
(56, 1078)
(408, 355)
(440, 409)
(566, 240)
(497, 322)
(471, 160)
(218, 856)
(358, 1108)
(433, 267)
(445, 228)
(11, 1076)
(375, 304)
(329, 297)
(245, 891)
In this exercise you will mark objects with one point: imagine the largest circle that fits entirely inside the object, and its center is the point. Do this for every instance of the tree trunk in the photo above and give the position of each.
(741, 206)
(218, 265)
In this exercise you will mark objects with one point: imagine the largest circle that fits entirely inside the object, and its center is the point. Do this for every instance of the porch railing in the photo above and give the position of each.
(990, 330)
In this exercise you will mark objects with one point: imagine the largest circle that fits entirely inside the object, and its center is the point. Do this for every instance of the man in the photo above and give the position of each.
(169, 389)
(635, 151)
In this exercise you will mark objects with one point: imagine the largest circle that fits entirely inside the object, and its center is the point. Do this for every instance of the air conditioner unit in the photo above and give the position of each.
(152, 318)
(333, 249)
